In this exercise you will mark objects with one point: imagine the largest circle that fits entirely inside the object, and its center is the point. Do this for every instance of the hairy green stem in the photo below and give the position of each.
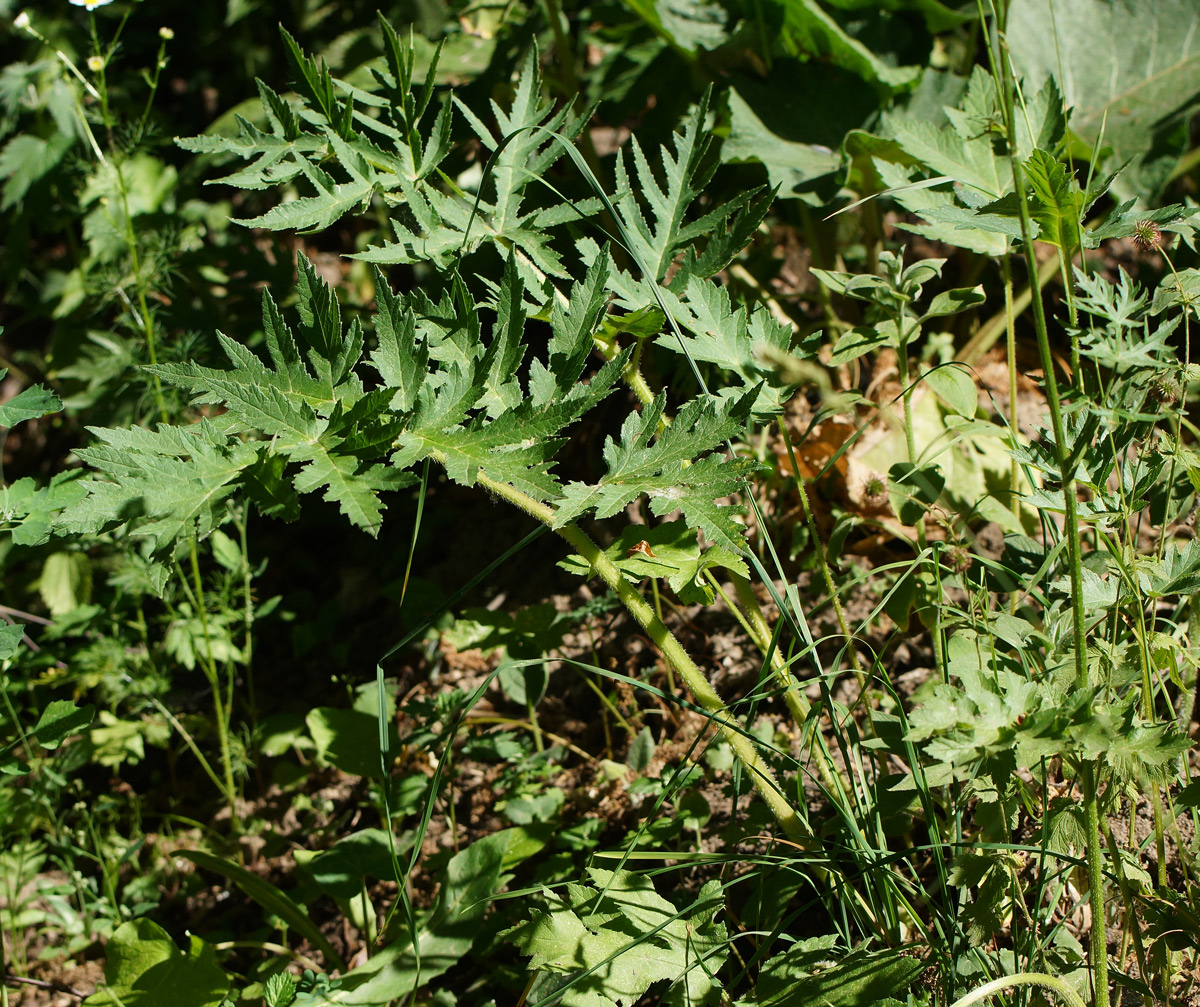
(1010, 317)
(1072, 314)
(1099, 945)
(906, 396)
(241, 520)
(1065, 468)
(139, 284)
(702, 691)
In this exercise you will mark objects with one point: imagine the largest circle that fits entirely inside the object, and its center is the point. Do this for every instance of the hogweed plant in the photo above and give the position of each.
(1059, 663)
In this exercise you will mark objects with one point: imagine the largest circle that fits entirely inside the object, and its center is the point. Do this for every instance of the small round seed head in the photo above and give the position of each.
(959, 559)
(1147, 235)
(875, 490)
(1164, 391)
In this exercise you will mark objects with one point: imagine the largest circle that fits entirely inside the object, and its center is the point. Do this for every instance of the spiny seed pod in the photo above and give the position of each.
(1147, 235)
(1164, 391)
(875, 490)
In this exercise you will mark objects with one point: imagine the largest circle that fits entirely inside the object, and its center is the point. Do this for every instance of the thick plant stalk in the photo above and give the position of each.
(702, 691)
(1099, 944)
(1095, 855)
(797, 702)
(1091, 799)
(906, 398)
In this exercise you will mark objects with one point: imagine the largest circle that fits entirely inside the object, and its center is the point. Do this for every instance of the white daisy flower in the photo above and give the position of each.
(95, 64)
(91, 4)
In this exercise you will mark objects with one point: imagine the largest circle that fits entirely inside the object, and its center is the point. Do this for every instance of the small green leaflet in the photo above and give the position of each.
(656, 243)
(162, 485)
(331, 120)
(28, 404)
(669, 470)
(671, 551)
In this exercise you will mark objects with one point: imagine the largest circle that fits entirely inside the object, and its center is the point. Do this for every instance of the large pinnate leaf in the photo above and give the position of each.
(475, 415)
(162, 485)
(1129, 70)
(332, 129)
(307, 407)
(654, 240)
(437, 225)
(305, 421)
